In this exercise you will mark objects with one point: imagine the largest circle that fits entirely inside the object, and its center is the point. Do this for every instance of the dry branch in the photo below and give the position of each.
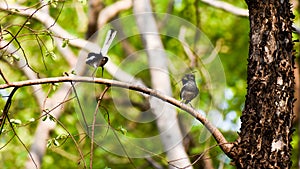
(236, 10)
(227, 7)
(225, 146)
(59, 32)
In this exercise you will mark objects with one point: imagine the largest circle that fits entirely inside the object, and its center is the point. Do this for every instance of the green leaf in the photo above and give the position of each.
(123, 130)
(16, 57)
(45, 118)
(54, 86)
(73, 72)
(51, 54)
(61, 136)
(49, 143)
(65, 43)
(52, 118)
(56, 143)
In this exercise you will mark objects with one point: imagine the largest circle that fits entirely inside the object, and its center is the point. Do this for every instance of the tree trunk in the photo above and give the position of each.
(166, 121)
(265, 136)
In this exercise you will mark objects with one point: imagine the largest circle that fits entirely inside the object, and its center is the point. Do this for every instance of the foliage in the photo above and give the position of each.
(224, 30)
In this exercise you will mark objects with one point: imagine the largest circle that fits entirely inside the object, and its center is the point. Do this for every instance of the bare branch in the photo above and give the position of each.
(4, 116)
(227, 7)
(215, 132)
(111, 11)
(94, 7)
(46, 7)
(236, 10)
(14, 37)
(38, 146)
(75, 142)
(153, 163)
(186, 49)
(7, 105)
(45, 19)
(58, 31)
(42, 133)
(28, 72)
(3, 77)
(93, 124)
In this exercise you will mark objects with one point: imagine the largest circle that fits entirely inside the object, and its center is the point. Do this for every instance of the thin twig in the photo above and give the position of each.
(4, 78)
(80, 107)
(15, 36)
(75, 142)
(111, 11)
(45, 100)
(4, 116)
(20, 140)
(6, 108)
(59, 32)
(198, 158)
(61, 124)
(227, 7)
(7, 142)
(23, 51)
(153, 163)
(93, 125)
(215, 132)
(186, 49)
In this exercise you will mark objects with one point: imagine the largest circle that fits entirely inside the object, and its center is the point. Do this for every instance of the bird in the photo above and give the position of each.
(189, 90)
(96, 60)
(100, 59)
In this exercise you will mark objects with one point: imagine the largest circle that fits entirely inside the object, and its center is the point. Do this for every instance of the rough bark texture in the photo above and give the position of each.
(266, 129)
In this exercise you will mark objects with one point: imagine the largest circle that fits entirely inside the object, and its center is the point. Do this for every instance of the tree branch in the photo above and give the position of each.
(225, 146)
(236, 10)
(3, 77)
(112, 10)
(58, 31)
(94, 123)
(166, 121)
(94, 7)
(227, 7)
(42, 133)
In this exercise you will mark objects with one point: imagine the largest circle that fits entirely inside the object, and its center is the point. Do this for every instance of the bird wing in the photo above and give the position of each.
(93, 59)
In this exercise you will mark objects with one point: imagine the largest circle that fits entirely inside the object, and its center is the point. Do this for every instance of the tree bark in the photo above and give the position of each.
(95, 6)
(265, 136)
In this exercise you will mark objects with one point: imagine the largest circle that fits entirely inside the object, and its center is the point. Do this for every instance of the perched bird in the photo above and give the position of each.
(189, 90)
(99, 59)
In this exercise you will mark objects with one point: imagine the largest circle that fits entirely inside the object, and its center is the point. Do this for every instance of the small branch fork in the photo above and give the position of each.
(224, 145)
